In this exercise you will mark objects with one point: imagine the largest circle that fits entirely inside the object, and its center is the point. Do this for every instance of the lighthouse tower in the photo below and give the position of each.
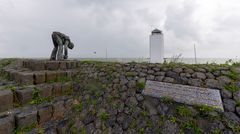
(156, 47)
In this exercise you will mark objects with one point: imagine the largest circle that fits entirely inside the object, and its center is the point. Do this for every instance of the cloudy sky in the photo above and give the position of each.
(121, 26)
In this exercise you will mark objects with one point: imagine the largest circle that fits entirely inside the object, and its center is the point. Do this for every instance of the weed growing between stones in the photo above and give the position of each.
(183, 111)
(204, 109)
(238, 104)
(37, 99)
(25, 129)
(232, 88)
(5, 62)
(191, 125)
(234, 126)
(173, 119)
(217, 131)
(140, 85)
(167, 100)
(233, 75)
(78, 107)
(104, 116)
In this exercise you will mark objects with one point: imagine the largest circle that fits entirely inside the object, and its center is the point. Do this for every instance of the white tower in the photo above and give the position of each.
(156, 47)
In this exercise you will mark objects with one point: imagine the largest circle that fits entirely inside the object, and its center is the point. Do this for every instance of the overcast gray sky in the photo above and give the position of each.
(121, 26)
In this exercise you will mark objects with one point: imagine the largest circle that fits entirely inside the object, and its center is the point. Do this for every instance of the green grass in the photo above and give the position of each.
(144, 114)
(5, 62)
(173, 119)
(238, 104)
(130, 74)
(25, 129)
(217, 131)
(233, 75)
(232, 88)
(184, 111)
(37, 99)
(104, 116)
(167, 100)
(78, 107)
(140, 85)
(192, 125)
(203, 109)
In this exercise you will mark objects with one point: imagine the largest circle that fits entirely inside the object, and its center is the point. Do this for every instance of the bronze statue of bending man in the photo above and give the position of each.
(60, 40)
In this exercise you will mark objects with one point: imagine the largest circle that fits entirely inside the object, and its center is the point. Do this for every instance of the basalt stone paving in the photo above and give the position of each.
(25, 95)
(26, 118)
(184, 94)
(6, 124)
(6, 100)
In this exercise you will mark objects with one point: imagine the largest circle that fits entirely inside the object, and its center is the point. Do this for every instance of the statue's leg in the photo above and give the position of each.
(60, 49)
(54, 51)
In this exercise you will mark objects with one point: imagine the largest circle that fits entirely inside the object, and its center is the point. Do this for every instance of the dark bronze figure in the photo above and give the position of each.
(60, 41)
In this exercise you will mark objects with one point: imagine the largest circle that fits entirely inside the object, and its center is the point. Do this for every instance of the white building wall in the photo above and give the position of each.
(156, 48)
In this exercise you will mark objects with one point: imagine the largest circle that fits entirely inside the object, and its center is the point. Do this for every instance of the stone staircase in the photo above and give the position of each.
(40, 99)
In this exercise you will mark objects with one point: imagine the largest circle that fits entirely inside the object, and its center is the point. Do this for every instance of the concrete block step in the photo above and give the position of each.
(16, 96)
(38, 65)
(38, 77)
(37, 115)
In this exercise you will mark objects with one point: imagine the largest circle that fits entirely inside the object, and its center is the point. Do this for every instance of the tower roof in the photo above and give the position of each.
(156, 31)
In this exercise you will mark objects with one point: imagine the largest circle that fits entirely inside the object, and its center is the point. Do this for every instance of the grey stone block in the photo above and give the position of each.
(62, 65)
(62, 127)
(52, 65)
(6, 124)
(57, 89)
(71, 64)
(44, 113)
(67, 87)
(61, 74)
(58, 110)
(51, 76)
(25, 95)
(39, 77)
(46, 90)
(36, 65)
(6, 99)
(26, 118)
(26, 78)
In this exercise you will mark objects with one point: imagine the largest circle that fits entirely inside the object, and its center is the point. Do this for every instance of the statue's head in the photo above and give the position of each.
(70, 45)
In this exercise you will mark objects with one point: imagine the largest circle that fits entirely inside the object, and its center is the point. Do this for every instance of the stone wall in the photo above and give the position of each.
(107, 98)
(131, 112)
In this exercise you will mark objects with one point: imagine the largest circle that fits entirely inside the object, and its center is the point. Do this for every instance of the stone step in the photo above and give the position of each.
(26, 95)
(38, 65)
(38, 77)
(27, 116)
